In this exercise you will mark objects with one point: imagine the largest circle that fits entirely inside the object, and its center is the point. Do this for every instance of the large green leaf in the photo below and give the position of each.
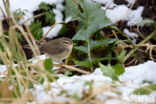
(82, 49)
(108, 71)
(91, 15)
(97, 44)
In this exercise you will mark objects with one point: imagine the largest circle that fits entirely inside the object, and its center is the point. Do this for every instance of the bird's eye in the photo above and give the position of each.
(66, 42)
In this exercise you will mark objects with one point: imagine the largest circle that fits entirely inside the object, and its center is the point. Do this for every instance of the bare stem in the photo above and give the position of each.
(145, 40)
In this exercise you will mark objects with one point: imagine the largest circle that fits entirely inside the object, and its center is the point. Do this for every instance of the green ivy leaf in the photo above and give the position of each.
(145, 90)
(108, 71)
(92, 16)
(48, 65)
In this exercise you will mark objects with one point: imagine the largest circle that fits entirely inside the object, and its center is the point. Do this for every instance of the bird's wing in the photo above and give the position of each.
(52, 49)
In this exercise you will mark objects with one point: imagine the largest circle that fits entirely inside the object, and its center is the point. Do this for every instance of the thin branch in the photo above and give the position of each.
(75, 69)
(142, 42)
(49, 30)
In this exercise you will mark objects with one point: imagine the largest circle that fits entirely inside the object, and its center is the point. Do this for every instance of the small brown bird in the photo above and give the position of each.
(57, 49)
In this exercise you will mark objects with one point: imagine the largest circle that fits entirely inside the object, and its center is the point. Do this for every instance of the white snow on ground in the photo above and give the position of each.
(117, 13)
(140, 73)
(130, 1)
(132, 79)
(134, 16)
(131, 35)
(122, 12)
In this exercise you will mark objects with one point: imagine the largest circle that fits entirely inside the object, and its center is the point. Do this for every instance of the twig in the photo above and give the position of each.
(145, 40)
(49, 31)
(4, 15)
(33, 17)
(1, 28)
(75, 69)
(32, 39)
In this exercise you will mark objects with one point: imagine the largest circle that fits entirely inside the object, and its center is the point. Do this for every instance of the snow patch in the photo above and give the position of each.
(138, 74)
(132, 35)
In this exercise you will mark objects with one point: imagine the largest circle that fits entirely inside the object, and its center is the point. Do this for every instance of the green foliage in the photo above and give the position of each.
(19, 36)
(109, 71)
(48, 65)
(92, 16)
(68, 73)
(63, 30)
(82, 49)
(49, 14)
(145, 90)
(119, 69)
(36, 29)
(44, 6)
(96, 44)
(85, 63)
(39, 79)
(121, 56)
(18, 13)
(91, 19)
(50, 17)
(88, 83)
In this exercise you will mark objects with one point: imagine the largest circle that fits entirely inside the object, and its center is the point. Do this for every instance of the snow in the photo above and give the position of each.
(122, 12)
(138, 74)
(2, 70)
(132, 79)
(134, 16)
(130, 1)
(132, 35)
(116, 13)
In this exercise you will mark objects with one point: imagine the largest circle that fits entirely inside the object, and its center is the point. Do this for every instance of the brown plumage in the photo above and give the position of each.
(58, 49)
